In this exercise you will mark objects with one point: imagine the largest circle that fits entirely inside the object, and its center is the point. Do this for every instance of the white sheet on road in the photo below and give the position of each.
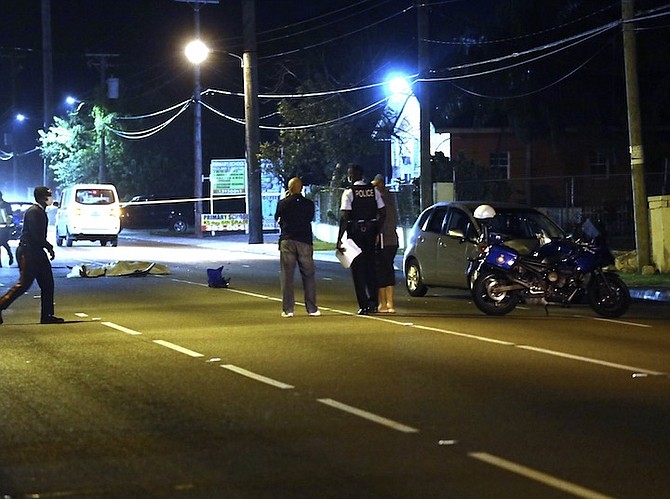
(119, 268)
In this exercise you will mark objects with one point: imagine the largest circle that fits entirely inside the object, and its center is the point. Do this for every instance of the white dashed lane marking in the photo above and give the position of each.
(258, 377)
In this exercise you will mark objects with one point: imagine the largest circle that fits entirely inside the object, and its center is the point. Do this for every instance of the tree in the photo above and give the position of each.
(72, 147)
(318, 151)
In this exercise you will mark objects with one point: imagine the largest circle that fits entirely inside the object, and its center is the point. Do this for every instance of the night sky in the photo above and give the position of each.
(149, 37)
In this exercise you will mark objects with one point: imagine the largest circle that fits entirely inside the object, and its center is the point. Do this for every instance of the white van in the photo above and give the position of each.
(88, 212)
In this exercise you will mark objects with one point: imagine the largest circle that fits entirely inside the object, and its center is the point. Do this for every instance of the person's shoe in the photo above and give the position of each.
(363, 311)
(287, 314)
(51, 319)
(315, 314)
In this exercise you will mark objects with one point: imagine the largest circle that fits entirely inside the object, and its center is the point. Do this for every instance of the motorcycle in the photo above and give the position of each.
(559, 272)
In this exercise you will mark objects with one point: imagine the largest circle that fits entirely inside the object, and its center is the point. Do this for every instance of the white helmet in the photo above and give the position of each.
(484, 212)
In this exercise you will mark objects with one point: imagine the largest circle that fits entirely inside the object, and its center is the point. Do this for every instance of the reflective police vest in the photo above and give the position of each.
(364, 204)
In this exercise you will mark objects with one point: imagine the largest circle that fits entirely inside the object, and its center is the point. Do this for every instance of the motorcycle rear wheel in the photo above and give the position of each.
(608, 295)
(488, 299)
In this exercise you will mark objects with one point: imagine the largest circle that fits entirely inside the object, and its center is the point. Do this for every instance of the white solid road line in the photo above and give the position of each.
(369, 416)
(258, 377)
(538, 476)
(179, 349)
(589, 360)
(625, 323)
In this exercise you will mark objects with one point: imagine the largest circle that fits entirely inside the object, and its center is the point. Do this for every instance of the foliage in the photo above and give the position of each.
(318, 154)
(72, 148)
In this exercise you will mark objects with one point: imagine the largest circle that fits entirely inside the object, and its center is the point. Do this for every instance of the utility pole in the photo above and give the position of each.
(102, 64)
(426, 185)
(197, 122)
(640, 208)
(48, 79)
(251, 119)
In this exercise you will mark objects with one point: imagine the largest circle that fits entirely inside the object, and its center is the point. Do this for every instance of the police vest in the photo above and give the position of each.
(364, 205)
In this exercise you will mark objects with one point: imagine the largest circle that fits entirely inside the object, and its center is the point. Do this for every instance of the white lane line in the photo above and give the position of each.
(625, 323)
(258, 377)
(538, 476)
(120, 328)
(463, 335)
(369, 416)
(589, 360)
(81, 314)
(179, 349)
(478, 338)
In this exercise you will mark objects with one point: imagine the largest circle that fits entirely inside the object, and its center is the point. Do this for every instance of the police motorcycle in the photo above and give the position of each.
(559, 272)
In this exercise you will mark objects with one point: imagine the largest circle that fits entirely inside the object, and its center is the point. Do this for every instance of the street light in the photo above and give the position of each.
(196, 52)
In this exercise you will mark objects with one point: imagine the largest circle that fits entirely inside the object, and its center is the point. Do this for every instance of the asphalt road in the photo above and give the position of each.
(159, 386)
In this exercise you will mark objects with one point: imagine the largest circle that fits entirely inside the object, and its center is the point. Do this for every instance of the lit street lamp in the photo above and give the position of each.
(196, 52)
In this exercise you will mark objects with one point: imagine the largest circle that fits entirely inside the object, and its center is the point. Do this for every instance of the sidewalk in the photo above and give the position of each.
(238, 242)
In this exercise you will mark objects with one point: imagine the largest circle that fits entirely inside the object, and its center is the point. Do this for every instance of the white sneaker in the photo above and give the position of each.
(315, 314)
(287, 314)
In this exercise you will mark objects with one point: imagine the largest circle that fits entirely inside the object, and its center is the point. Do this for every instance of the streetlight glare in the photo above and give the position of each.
(399, 85)
(196, 51)
(20, 117)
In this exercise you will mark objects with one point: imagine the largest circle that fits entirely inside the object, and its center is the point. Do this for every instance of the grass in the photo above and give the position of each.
(653, 280)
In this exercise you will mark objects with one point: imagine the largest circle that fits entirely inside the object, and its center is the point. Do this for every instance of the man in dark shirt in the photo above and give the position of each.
(295, 214)
(33, 261)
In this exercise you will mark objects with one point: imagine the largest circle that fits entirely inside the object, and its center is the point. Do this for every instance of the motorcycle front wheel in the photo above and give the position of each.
(608, 295)
(489, 299)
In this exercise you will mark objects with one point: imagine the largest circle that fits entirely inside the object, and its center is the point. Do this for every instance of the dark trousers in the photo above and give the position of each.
(363, 269)
(5, 233)
(33, 265)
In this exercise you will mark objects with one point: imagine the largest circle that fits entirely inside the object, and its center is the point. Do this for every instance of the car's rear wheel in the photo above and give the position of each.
(414, 280)
(179, 225)
(69, 239)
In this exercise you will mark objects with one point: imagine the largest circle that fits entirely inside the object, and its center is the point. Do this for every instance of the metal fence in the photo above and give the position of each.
(567, 200)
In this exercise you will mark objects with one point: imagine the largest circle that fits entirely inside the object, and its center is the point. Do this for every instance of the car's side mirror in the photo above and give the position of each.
(55, 204)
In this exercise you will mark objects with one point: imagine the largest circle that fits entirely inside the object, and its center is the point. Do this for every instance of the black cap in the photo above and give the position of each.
(42, 192)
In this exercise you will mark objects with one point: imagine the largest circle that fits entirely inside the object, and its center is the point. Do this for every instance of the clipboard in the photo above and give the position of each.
(351, 251)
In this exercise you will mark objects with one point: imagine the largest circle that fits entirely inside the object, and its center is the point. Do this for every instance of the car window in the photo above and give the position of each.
(457, 221)
(95, 196)
(524, 224)
(436, 220)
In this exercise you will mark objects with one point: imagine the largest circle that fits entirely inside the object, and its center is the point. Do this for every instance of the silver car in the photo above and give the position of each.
(444, 237)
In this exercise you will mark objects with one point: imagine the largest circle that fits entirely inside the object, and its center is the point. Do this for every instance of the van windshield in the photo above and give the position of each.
(95, 196)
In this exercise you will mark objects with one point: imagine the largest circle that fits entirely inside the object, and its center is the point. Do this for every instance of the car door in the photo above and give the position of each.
(452, 253)
(426, 245)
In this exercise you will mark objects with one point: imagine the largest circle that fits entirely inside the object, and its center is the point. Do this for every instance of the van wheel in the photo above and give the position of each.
(103, 242)
(69, 240)
(59, 238)
(115, 242)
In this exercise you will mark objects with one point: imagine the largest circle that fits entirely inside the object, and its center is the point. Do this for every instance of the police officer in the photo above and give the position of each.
(362, 214)
(33, 261)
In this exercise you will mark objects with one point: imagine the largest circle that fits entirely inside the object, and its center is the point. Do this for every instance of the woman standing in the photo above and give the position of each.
(387, 247)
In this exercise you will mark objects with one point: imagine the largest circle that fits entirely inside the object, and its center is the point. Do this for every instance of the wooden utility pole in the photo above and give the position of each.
(426, 180)
(251, 118)
(102, 64)
(640, 208)
(48, 79)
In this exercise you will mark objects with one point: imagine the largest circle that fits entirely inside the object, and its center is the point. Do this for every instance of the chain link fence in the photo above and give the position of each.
(567, 200)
